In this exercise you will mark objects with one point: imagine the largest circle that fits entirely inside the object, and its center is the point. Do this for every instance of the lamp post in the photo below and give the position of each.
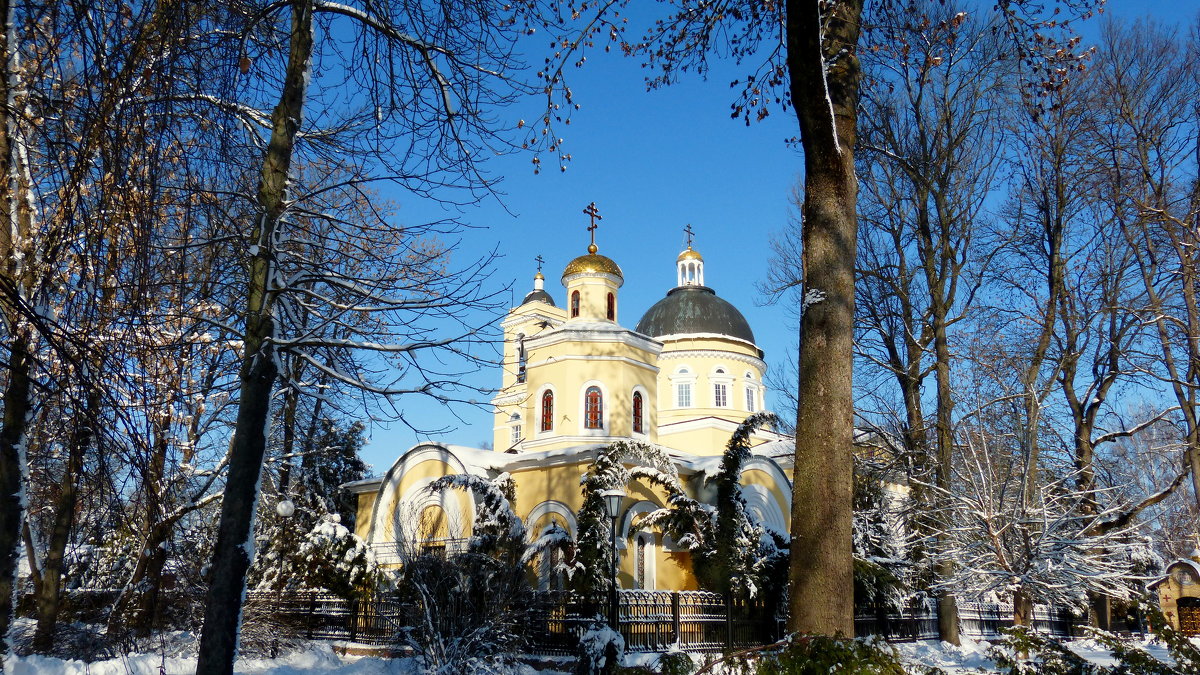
(612, 504)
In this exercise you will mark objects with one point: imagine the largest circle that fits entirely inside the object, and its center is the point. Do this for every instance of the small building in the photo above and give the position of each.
(574, 379)
(1179, 594)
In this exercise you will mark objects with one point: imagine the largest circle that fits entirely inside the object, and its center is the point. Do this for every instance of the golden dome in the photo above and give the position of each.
(539, 276)
(689, 254)
(593, 263)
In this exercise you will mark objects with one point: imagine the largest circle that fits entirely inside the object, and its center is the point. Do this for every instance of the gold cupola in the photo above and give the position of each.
(592, 281)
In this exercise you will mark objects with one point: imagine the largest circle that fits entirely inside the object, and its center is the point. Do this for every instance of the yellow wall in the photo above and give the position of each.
(362, 514)
(1171, 590)
(593, 298)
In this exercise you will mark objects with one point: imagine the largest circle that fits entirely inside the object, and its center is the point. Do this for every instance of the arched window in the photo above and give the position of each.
(638, 426)
(520, 357)
(574, 304)
(547, 410)
(643, 561)
(514, 424)
(683, 388)
(612, 307)
(593, 408)
(721, 381)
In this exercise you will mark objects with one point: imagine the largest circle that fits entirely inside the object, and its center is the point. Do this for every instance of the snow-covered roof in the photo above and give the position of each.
(1183, 561)
(1195, 567)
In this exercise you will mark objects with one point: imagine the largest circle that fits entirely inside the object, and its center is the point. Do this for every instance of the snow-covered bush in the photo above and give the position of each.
(328, 558)
(594, 552)
(879, 546)
(598, 644)
(730, 550)
(466, 613)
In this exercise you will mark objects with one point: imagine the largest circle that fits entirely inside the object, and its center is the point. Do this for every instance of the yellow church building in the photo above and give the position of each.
(575, 379)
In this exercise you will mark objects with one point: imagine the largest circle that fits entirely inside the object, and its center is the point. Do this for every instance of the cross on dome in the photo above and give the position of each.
(690, 264)
(594, 213)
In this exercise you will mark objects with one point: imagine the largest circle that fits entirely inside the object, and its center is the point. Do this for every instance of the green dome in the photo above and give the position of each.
(694, 309)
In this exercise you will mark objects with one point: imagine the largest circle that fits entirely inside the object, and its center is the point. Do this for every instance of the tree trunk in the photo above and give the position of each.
(49, 592)
(947, 605)
(20, 343)
(825, 96)
(231, 558)
(12, 484)
(1022, 609)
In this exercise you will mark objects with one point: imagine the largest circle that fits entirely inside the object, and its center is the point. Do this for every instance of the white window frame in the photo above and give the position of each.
(721, 381)
(752, 405)
(683, 379)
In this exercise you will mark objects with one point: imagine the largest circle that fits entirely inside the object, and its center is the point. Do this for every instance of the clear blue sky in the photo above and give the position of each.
(653, 162)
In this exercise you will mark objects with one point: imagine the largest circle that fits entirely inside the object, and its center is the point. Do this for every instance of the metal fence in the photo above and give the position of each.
(553, 621)
(978, 620)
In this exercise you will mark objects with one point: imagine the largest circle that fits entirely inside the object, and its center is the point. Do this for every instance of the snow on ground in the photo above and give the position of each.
(319, 658)
(970, 657)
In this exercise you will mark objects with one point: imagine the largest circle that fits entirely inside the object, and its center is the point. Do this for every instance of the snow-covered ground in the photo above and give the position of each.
(971, 657)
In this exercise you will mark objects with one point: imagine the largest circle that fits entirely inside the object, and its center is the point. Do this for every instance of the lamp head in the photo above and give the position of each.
(612, 501)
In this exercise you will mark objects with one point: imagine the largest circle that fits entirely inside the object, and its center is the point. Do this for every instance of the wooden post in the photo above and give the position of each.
(676, 622)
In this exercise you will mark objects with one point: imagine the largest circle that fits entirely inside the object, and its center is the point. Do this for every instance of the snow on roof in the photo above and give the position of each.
(1181, 561)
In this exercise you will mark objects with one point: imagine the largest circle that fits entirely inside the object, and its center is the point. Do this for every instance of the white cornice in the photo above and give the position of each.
(715, 354)
(586, 357)
(677, 337)
(713, 422)
(594, 332)
(514, 318)
(594, 275)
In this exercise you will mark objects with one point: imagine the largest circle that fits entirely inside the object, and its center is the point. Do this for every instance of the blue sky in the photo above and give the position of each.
(653, 162)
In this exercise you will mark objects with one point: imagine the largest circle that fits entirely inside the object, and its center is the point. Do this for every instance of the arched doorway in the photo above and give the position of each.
(1189, 615)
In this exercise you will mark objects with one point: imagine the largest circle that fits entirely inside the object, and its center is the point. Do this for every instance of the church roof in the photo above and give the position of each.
(694, 309)
(540, 296)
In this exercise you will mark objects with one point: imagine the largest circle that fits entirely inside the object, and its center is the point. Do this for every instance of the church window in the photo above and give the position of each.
(638, 425)
(751, 397)
(720, 397)
(612, 307)
(593, 408)
(547, 410)
(574, 304)
(683, 395)
(516, 434)
(640, 562)
(521, 357)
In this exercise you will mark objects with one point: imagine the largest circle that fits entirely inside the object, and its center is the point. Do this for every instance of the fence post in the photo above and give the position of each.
(353, 620)
(676, 621)
(728, 621)
(312, 613)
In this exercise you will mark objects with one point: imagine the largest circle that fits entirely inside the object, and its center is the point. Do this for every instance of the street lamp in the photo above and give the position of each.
(612, 504)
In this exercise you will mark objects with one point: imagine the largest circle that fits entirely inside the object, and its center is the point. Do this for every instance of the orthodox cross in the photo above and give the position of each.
(539, 261)
(592, 212)
(690, 234)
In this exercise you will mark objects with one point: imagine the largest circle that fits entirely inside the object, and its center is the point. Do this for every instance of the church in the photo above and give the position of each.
(575, 379)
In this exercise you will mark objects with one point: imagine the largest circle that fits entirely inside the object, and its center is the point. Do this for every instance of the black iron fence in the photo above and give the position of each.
(978, 620)
(650, 621)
